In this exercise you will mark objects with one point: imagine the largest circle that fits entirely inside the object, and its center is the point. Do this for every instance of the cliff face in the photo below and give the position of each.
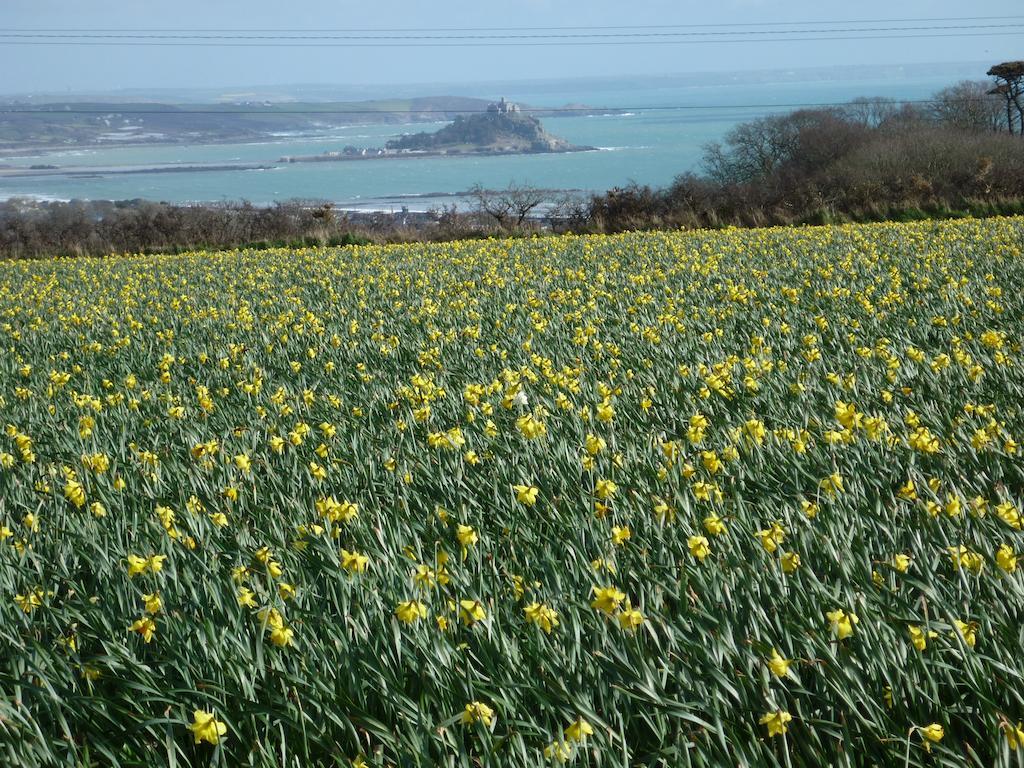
(491, 132)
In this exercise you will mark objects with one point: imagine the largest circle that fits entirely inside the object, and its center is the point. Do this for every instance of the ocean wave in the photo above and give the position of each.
(4, 196)
(414, 195)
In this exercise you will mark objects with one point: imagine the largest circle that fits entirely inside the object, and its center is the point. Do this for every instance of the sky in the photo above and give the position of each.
(63, 68)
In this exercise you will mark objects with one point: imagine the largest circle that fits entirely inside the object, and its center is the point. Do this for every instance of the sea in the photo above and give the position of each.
(664, 124)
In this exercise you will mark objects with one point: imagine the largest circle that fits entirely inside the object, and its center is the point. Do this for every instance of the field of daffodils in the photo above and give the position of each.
(674, 499)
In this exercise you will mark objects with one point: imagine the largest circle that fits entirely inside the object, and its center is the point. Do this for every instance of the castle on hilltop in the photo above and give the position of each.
(502, 107)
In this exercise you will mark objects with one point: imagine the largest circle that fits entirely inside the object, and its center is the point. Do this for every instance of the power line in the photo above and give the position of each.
(556, 110)
(503, 36)
(197, 38)
(491, 44)
(528, 29)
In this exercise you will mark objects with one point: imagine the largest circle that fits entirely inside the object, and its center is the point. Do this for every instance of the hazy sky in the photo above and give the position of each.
(58, 68)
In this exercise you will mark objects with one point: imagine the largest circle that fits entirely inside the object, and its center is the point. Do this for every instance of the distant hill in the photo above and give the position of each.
(489, 132)
(30, 124)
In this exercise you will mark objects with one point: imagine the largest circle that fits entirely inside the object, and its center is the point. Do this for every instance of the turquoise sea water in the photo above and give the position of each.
(648, 146)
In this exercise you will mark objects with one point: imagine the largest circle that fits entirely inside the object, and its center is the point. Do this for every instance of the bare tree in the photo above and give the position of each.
(569, 212)
(755, 150)
(453, 224)
(751, 150)
(1010, 85)
(870, 111)
(508, 207)
(968, 105)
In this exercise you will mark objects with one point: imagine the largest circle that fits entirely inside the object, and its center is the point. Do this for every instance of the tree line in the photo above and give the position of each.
(959, 153)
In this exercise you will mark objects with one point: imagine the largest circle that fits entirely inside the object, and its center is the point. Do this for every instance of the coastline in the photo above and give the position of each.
(414, 154)
(15, 172)
(323, 131)
(47, 149)
(99, 171)
(395, 204)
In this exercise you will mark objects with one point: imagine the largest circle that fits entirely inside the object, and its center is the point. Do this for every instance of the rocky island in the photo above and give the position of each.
(502, 130)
